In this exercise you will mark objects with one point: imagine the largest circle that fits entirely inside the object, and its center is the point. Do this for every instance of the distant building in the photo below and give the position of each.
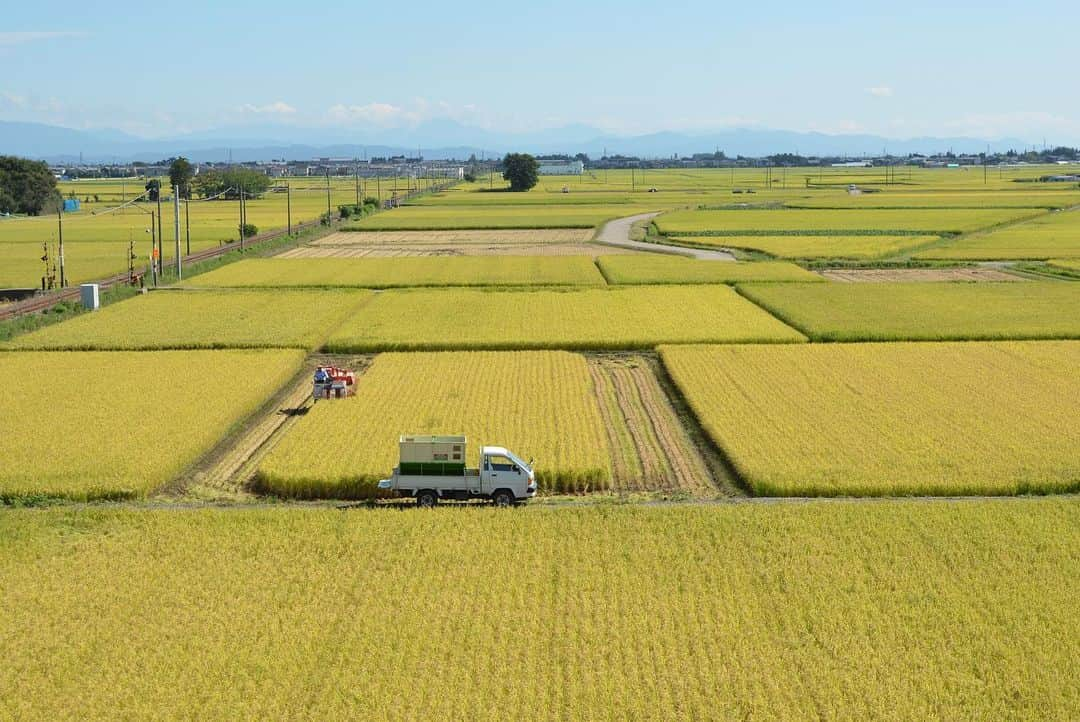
(561, 167)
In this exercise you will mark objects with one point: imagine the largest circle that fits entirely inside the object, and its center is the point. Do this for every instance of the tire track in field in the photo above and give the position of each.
(229, 468)
(652, 449)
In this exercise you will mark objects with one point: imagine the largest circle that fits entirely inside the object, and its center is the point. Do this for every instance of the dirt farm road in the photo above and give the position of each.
(617, 233)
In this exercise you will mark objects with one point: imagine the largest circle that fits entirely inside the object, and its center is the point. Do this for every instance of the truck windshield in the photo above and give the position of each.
(524, 467)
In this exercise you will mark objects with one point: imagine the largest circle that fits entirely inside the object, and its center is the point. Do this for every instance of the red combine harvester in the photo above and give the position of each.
(332, 382)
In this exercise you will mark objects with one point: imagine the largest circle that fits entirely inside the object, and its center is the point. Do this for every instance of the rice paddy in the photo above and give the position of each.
(404, 272)
(616, 318)
(890, 419)
(202, 319)
(119, 425)
(924, 311)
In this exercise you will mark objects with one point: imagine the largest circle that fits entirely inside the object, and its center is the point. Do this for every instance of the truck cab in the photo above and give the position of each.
(431, 468)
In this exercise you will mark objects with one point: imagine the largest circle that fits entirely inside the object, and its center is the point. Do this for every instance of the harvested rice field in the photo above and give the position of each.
(456, 237)
(465, 249)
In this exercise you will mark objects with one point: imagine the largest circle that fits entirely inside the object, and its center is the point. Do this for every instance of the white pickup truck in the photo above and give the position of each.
(432, 468)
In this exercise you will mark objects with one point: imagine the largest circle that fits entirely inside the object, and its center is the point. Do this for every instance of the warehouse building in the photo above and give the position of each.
(561, 167)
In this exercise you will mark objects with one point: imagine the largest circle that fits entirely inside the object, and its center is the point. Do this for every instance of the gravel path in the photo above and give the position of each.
(617, 233)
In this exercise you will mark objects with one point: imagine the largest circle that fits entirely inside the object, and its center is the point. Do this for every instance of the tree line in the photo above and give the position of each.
(27, 186)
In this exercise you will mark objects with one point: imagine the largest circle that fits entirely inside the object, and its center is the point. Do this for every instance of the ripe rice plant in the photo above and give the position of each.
(743, 222)
(202, 319)
(942, 199)
(538, 404)
(1052, 235)
(654, 268)
(619, 318)
(95, 425)
(890, 419)
(816, 246)
(404, 272)
(837, 610)
(924, 311)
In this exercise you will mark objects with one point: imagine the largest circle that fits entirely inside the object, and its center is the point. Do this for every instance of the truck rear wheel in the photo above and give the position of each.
(427, 498)
(503, 497)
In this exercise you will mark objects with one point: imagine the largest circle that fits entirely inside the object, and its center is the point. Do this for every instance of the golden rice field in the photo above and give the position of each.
(616, 318)
(203, 319)
(94, 425)
(538, 404)
(1055, 235)
(890, 419)
(815, 246)
(420, 218)
(1068, 264)
(822, 610)
(833, 222)
(655, 268)
(404, 272)
(942, 199)
(922, 311)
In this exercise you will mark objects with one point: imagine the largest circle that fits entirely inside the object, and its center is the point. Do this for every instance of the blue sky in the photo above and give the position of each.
(896, 69)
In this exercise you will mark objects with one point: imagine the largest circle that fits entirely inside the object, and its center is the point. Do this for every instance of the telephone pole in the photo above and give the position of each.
(288, 205)
(176, 231)
(160, 234)
(329, 217)
(154, 254)
(241, 216)
(187, 224)
(60, 236)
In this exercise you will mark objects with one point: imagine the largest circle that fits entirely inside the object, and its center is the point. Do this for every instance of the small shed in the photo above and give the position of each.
(71, 205)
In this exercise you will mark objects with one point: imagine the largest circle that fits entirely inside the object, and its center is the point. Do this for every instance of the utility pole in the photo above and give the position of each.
(328, 216)
(154, 255)
(187, 224)
(356, 178)
(176, 231)
(60, 235)
(288, 205)
(241, 217)
(160, 234)
(378, 186)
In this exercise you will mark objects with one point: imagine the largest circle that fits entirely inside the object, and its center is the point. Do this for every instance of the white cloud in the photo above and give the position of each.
(20, 37)
(384, 115)
(880, 91)
(276, 108)
(10, 100)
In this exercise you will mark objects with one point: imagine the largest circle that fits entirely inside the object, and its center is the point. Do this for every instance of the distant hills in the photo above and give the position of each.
(441, 139)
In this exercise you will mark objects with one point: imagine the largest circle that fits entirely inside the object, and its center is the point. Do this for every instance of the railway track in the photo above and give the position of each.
(49, 299)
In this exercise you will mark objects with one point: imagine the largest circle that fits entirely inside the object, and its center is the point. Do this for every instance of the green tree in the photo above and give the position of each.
(180, 174)
(522, 170)
(26, 186)
(154, 186)
(227, 183)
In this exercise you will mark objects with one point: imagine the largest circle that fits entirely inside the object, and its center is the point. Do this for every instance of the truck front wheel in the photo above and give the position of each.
(426, 498)
(503, 497)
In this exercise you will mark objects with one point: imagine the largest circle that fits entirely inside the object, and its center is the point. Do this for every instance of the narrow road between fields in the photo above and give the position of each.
(617, 233)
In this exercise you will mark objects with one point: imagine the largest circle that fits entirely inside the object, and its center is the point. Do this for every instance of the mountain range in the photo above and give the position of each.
(442, 139)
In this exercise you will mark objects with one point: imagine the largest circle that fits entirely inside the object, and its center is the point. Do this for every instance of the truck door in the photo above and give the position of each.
(504, 472)
(487, 483)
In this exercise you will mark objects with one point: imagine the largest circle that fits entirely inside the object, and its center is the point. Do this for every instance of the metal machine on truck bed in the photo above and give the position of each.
(433, 468)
